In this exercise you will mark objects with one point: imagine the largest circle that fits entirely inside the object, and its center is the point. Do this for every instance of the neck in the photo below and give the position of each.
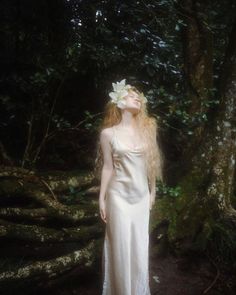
(128, 120)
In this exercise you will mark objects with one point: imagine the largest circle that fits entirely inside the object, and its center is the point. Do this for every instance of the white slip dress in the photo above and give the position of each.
(125, 259)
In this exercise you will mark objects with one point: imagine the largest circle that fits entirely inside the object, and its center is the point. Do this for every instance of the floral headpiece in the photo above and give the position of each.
(120, 90)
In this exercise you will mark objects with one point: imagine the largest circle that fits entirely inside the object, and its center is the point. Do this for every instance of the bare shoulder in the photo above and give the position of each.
(106, 133)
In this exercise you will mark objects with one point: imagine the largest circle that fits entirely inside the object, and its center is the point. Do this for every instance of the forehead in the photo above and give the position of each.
(133, 92)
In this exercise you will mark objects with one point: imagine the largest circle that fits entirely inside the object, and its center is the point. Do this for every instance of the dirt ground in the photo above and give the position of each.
(169, 275)
(175, 276)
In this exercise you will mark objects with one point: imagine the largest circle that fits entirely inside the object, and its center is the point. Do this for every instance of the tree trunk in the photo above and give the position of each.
(207, 188)
(197, 42)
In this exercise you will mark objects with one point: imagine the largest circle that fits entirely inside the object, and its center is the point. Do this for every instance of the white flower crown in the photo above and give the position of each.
(120, 90)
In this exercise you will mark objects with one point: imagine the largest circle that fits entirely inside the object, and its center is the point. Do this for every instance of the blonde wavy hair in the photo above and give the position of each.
(148, 131)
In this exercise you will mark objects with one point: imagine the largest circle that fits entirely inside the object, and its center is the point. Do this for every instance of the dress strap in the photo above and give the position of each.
(114, 134)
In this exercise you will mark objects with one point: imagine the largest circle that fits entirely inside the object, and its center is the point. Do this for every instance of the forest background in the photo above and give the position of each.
(58, 60)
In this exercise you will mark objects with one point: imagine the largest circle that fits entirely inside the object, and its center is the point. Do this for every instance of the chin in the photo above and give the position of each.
(136, 110)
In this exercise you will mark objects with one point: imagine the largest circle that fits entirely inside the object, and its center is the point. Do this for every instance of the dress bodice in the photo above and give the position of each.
(130, 173)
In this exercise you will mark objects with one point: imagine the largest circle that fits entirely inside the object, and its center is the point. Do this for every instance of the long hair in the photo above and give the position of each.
(148, 131)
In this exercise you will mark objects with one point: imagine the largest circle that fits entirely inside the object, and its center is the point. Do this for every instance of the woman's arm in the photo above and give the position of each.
(107, 168)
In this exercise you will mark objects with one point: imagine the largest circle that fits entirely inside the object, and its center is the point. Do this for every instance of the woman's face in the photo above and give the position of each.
(132, 100)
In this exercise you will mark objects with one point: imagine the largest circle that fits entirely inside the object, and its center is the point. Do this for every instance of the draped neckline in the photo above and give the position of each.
(124, 144)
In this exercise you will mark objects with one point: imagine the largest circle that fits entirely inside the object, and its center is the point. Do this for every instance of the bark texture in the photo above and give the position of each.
(53, 230)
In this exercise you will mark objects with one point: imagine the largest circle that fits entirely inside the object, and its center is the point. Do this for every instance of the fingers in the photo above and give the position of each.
(103, 216)
(104, 219)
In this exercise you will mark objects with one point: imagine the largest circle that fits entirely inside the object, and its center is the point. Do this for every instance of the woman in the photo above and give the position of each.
(131, 162)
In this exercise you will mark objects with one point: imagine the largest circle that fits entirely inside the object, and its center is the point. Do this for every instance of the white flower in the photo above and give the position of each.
(120, 85)
(120, 90)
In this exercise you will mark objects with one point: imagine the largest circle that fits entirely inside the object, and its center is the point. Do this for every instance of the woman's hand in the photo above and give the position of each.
(152, 201)
(102, 208)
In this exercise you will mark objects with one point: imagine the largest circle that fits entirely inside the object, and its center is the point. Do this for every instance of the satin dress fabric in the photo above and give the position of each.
(125, 259)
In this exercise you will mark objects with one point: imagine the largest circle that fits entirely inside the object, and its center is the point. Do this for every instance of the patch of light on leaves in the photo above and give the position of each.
(212, 189)
(227, 123)
(232, 160)
(77, 254)
(73, 181)
(156, 279)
